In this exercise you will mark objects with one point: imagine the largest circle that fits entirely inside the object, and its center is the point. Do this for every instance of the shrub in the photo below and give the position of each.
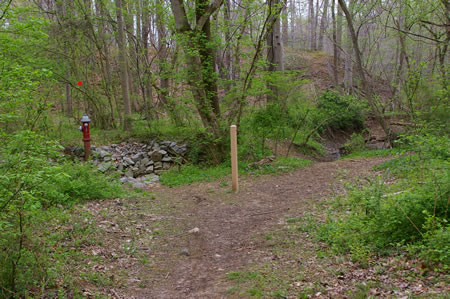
(339, 112)
(355, 144)
(413, 210)
(34, 178)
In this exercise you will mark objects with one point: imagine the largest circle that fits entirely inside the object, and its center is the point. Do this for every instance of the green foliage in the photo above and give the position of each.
(373, 153)
(336, 112)
(266, 122)
(435, 246)
(33, 179)
(24, 78)
(192, 173)
(189, 174)
(355, 144)
(411, 209)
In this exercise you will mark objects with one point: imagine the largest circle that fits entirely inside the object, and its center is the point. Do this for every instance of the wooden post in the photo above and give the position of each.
(234, 159)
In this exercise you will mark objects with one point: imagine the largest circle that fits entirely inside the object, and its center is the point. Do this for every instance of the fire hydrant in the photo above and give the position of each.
(86, 136)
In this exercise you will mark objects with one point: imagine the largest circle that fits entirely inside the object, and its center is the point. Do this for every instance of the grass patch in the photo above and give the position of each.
(373, 153)
(189, 174)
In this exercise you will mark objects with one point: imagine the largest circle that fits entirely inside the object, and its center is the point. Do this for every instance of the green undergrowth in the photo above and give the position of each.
(37, 186)
(189, 174)
(404, 208)
(257, 284)
(66, 131)
(369, 153)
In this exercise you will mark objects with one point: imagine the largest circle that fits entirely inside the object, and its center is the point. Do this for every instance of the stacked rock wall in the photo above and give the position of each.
(138, 159)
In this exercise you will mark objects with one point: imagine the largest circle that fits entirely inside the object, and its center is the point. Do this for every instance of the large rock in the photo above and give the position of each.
(128, 161)
(138, 185)
(145, 161)
(129, 173)
(166, 159)
(105, 166)
(142, 169)
(102, 153)
(136, 157)
(156, 156)
(151, 179)
(149, 169)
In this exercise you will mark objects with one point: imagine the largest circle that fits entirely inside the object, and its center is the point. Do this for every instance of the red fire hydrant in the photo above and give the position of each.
(86, 136)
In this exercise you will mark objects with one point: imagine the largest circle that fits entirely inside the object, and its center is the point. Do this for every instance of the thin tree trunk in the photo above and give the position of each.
(348, 68)
(293, 17)
(316, 23)
(285, 24)
(335, 46)
(274, 48)
(339, 35)
(123, 65)
(132, 62)
(162, 53)
(312, 36)
(106, 65)
(69, 108)
(323, 22)
(364, 84)
(147, 84)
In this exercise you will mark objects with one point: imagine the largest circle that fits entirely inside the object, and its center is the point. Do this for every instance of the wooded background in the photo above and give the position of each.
(182, 58)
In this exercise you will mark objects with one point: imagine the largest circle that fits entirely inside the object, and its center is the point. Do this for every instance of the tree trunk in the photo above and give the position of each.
(274, 48)
(293, 17)
(147, 84)
(106, 64)
(335, 46)
(200, 63)
(367, 89)
(339, 35)
(228, 51)
(348, 63)
(323, 22)
(207, 55)
(69, 108)
(162, 53)
(312, 34)
(285, 24)
(123, 65)
(133, 61)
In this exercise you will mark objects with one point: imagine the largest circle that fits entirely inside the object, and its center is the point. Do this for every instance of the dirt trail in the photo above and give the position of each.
(179, 264)
(224, 241)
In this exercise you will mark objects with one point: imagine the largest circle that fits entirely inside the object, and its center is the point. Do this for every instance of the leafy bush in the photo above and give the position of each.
(355, 144)
(435, 246)
(338, 112)
(33, 179)
(412, 209)
(266, 122)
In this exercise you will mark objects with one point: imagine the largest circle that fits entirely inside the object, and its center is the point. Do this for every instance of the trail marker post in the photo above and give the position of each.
(234, 159)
